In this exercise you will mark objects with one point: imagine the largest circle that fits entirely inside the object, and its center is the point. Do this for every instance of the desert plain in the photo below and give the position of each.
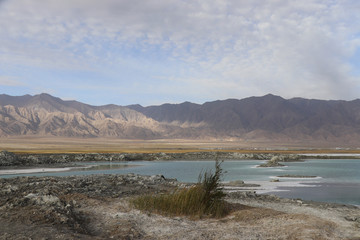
(99, 206)
(36, 144)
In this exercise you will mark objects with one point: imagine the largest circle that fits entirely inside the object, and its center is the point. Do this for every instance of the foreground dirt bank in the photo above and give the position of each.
(97, 207)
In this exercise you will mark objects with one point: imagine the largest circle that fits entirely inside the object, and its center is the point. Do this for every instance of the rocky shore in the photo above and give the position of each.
(296, 176)
(68, 207)
(97, 207)
(11, 159)
(275, 160)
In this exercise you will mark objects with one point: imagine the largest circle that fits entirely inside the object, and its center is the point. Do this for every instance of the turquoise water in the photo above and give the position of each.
(339, 182)
(185, 171)
(338, 179)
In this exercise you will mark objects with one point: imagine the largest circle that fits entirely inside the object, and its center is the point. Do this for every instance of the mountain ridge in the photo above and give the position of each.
(267, 117)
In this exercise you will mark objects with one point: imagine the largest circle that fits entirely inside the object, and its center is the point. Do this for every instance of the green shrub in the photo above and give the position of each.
(213, 198)
(206, 198)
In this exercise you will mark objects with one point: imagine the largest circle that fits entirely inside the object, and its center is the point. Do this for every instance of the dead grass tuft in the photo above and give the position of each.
(206, 198)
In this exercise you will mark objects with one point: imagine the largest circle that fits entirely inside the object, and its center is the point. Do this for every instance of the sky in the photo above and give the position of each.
(151, 52)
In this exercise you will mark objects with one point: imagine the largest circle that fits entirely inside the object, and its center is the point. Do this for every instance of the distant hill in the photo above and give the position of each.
(269, 117)
(45, 115)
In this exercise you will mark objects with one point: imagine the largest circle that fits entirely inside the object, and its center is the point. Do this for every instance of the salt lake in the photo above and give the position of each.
(337, 180)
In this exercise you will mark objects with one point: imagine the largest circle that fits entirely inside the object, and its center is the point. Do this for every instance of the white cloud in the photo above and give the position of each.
(226, 48)
(10, 81)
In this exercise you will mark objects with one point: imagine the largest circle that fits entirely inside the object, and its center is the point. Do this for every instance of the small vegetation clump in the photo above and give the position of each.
(206, 198)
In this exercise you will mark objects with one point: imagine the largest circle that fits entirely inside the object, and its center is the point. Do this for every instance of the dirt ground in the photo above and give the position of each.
(98, 207)
(108, 145)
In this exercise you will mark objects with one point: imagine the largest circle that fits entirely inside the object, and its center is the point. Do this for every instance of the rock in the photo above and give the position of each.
(9, 188)
(273, 162)
(295, 176)
(157, 178)
(275, 180)
(251, 194)
(238, 195)
(8, 159)
(237, 183)
(352, 219)
(288, 158)
(44, 200)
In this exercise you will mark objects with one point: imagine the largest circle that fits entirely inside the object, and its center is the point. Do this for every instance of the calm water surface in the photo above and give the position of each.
(338, 180)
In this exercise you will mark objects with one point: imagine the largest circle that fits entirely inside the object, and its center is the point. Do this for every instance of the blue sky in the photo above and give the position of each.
(157, 51)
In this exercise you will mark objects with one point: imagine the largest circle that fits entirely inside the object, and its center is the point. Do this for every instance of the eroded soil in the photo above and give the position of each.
(97, 207)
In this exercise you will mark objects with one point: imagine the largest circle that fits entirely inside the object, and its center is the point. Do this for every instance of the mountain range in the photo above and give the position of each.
(255, 118)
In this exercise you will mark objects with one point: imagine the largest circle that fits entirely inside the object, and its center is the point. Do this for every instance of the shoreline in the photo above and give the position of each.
(93, 207)
(67, 165)
(261, 187)
(39, 170)
(12, 159)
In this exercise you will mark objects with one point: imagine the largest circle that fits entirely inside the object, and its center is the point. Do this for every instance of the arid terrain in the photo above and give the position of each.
(98, 207)
(26, 144)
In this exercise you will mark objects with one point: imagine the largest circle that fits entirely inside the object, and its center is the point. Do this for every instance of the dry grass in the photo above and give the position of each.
(185, 202)
(108, 145)
(206, 198)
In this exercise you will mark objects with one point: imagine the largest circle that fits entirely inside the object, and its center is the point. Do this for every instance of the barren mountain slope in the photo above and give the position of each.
(256, 118)
(45, 115)
(267, 117)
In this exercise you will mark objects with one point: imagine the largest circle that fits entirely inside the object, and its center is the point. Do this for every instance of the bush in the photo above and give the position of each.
(206, 198)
